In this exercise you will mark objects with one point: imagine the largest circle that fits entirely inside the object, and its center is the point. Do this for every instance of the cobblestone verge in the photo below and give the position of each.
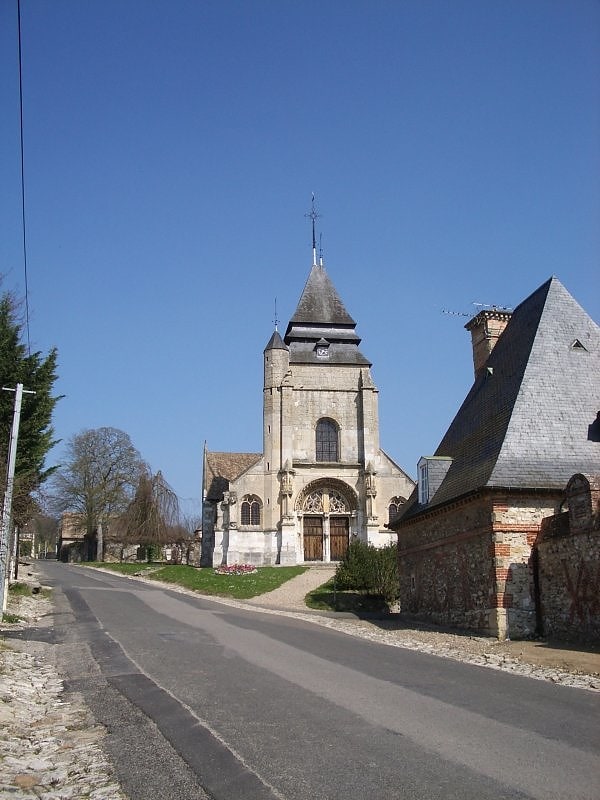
(49, 748)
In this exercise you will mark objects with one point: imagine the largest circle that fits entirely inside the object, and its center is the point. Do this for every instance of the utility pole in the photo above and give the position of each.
(7, 506)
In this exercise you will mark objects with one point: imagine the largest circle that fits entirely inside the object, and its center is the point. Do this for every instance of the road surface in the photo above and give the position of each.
(205, 700)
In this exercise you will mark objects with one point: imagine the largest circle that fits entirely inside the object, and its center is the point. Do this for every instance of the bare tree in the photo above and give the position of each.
(190, 525)
(99, 476)
(152, 517)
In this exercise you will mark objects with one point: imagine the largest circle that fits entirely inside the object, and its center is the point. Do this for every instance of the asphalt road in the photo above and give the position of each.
(204, 700)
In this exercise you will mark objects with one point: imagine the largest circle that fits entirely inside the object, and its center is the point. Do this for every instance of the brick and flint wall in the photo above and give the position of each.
(468, 564)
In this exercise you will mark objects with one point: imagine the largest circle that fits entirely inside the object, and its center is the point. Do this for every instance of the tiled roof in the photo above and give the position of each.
(222, 468)
(526, 422)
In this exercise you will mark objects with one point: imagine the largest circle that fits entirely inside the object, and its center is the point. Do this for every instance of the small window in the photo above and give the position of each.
(394, 507)
(327, 440)
(250, 511)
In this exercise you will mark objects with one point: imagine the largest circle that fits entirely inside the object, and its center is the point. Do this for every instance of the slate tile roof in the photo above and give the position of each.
(321, 315)
(276, 342)
(320, 302)
(222, 468)
(526, 421)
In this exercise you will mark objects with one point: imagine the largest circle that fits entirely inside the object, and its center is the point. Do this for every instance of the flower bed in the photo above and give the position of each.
(235, 569)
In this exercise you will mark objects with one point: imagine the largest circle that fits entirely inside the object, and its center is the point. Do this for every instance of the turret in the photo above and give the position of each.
(276, 361)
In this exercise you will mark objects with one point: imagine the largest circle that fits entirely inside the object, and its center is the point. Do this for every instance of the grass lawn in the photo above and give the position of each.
(324, 598)
(204, 580)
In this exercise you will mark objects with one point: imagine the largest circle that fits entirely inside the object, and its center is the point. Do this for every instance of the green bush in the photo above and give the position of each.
(373, 570)
(353, 572)
(385, 578)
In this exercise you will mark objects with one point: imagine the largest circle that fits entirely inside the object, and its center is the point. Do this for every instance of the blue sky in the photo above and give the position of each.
(171, 149)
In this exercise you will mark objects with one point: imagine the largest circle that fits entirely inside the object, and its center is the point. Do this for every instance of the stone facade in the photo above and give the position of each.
(568, 564)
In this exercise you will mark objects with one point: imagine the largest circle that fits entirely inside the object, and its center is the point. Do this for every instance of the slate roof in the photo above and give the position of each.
(321, 315)
(222, 468)
(320, 302)
(276, 342)
(526, 422)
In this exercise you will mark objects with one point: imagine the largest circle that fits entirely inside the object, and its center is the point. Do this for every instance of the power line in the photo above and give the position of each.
(23, 227)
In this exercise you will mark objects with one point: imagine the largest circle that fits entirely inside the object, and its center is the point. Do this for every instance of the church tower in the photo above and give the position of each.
(324, 468)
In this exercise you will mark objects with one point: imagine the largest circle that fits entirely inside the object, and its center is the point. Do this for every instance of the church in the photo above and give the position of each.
(322, 479)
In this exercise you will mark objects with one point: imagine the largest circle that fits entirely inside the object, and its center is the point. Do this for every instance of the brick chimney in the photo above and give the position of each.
(485, 329)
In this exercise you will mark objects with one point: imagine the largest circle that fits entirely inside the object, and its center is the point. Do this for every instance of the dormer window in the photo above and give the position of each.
(322, 348)
(431, 473)
(423, 482)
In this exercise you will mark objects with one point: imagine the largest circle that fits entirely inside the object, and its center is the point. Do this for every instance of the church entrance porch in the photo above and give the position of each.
(325, 507)
(313, 538)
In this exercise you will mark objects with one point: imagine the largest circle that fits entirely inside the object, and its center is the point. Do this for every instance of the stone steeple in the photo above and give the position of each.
(320, 303)
(321, 330)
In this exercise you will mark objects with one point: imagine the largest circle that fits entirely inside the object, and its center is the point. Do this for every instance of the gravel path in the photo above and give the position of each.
(290, 596)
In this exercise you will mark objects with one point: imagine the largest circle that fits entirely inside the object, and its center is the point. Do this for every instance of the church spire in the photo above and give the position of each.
(313, 215)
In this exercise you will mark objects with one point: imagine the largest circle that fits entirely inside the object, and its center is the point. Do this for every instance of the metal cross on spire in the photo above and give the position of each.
(313, 215)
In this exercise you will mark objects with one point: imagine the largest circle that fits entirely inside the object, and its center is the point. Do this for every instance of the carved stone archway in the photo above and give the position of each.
(327, 487)
(326, 507)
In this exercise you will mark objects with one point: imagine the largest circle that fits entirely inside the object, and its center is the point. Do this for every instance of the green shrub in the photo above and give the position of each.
(369, 569)
(353, 571)
(385, 580)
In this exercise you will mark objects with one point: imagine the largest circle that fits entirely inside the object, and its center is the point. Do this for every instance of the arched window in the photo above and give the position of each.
(327, 440)
(250, 511)
(394, 507)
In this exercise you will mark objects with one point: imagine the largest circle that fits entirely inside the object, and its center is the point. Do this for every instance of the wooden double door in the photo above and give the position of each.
(339, 530)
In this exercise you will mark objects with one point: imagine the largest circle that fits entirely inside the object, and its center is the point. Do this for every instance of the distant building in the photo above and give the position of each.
(74, 543)
(322, 477)
(467, 536)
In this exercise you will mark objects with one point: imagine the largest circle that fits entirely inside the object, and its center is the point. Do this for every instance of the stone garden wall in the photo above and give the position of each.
(569, 565)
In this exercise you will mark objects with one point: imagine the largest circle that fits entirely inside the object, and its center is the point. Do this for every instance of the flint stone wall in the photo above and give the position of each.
(569, 565)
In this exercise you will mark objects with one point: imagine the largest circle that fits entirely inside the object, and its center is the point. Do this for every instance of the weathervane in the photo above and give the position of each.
(276, 320)
(313, 215)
